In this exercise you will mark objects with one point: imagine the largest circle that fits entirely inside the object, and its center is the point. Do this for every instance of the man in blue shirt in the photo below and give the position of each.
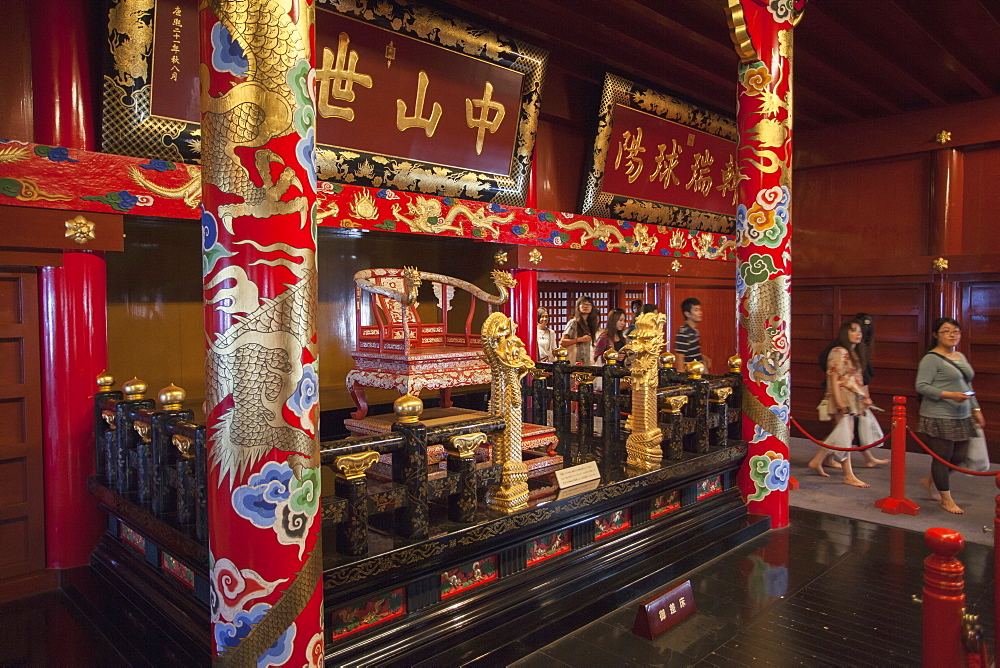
(687, 345)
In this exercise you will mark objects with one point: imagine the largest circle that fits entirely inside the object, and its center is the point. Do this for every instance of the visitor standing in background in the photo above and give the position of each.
(612, 337)
(635, 307)
(949, 412)
(546, 337)
(687, 344)
(578, 337)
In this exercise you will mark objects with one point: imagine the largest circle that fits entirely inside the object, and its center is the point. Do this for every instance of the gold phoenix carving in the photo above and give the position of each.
(509, 363)
(643, 447)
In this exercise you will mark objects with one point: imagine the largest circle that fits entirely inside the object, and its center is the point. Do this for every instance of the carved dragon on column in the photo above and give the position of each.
(644, 445)
(509, 363)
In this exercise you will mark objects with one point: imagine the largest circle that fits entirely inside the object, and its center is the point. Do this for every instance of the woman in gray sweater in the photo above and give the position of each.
(949, 412)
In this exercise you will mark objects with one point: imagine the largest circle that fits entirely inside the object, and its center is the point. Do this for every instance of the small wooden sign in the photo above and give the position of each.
(578, 474)
(665, 611)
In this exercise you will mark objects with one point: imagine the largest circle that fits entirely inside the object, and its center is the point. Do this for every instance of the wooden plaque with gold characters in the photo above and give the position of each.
(664, 611)
(407, 98)
(661, 161)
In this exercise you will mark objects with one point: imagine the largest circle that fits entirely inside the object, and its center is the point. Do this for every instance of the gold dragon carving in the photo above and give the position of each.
(611, 236)
(643, 447)
(509, 363)
(253, 112)
(424, 214)
(763, 305)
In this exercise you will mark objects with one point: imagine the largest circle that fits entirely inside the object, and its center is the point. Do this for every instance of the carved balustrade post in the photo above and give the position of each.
(585, 405)
(698, 406)
(539, 398)
(104, 426)
(462, 462)
(673, 430)
(943, 598)
(611, 398)
(163, 473)
(720, 407)
(409, 468)
(127, 439)
(351, 485)
(762, 34)
(561, 399)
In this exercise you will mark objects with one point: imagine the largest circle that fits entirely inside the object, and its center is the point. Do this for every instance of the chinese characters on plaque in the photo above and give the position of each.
(406, 97)
(659, 160)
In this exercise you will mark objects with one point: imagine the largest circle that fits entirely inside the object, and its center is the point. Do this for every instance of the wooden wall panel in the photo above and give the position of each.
(22, 502)
(981, 199)
(718, 328)
(560, 150)
(15, 75)
(870, 211)
(980, 318)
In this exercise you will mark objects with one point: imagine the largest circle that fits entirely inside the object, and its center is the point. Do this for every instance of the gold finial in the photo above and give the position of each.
(735, 363)
(534, 256)
(611, 357)
(355, 465)
(719, 395)
(695, 369)
(667, 359)
(105, 381)
(676, 403)
(172, 397)
(135, 389)
(940, 264)
(942, 137)
(408, 408)
(500, 258)
(561, 354)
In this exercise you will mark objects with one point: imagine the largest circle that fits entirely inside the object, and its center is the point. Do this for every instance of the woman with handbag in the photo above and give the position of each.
(868, 430)
(949, 412)
(847, 394)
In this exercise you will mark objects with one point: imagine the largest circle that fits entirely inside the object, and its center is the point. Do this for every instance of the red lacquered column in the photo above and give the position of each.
(73, 297)
(262, 404)
(525, 304)
(762, 33)
(944, 599)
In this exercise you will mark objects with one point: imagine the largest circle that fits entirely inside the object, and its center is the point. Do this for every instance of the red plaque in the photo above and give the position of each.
(665, 611)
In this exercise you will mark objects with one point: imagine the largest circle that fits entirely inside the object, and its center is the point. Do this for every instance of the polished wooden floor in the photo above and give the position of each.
(826, 591)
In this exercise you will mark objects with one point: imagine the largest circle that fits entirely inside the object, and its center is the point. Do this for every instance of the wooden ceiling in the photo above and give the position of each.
(854, 59)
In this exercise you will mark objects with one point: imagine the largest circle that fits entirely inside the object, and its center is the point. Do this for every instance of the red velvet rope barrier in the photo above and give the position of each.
(834, 447)
(943, 461)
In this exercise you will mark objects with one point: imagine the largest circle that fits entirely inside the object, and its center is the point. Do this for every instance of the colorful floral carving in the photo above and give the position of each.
(666, 503)
(612, 523)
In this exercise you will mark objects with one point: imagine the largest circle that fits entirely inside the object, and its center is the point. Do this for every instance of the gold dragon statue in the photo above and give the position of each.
(643, 447)
(509, 362)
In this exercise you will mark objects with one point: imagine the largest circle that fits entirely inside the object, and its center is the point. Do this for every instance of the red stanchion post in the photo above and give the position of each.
(897, 502)
(944, 599)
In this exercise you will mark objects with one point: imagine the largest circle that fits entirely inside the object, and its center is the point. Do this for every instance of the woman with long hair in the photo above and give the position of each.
(612, 336)
(846, 391)
(949, 412)
(578, 337)
(545, 336)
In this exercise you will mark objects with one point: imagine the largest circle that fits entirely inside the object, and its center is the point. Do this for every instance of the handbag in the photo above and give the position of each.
(824, 410)
(977, 457)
